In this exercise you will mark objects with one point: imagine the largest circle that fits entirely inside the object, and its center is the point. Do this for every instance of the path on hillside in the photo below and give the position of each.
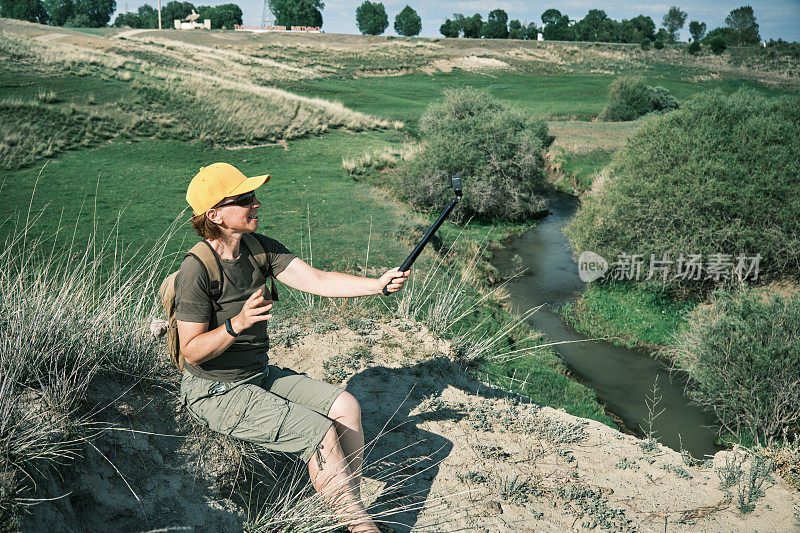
(50, 36)
(131, 33)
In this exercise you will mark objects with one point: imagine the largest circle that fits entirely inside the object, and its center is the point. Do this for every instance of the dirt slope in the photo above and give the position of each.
(468, 457)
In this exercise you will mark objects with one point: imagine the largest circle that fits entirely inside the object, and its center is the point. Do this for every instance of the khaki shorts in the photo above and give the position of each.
(278, 409)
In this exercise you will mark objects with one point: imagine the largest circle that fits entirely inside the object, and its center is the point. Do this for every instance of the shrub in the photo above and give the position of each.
(497, 150)
(659, 44)
(717, 176)
(694, 48)
(742, 355)
(630, 98)
(646, 43)
(717, 44)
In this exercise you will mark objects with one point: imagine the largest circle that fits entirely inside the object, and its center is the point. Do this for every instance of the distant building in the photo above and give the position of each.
(247, 27)
(192, 25)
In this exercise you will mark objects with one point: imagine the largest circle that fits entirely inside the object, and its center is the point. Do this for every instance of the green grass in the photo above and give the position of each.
(629, 314)
(146, 181)
(580, 169)
(578, 96)
(546, 381)
(19, 83)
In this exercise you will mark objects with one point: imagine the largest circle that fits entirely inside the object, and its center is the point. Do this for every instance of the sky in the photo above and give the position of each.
(776, 18)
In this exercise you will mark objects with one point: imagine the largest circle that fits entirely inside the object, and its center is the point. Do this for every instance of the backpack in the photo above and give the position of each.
(208, 257)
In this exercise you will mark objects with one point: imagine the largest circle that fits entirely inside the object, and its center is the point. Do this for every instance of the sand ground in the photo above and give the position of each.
(458, 454)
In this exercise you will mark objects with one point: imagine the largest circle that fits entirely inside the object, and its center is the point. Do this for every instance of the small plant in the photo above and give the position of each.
(566, 454)
(650, 443)
(693, 48)
(751, 487)
(646, 43)
(47, 97)
(625, 463)
(659, 44)
(479, 417)
(677, 470)
(730, 474)
(473, 477)
(340, 367)
(518, 264)
(492, 452)
(287, 337)
(517, 489)
(323, 327)
(362, 326)
(588, 503)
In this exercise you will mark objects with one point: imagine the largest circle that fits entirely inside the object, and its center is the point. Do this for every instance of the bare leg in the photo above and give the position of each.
(333, 480)
(346, 415)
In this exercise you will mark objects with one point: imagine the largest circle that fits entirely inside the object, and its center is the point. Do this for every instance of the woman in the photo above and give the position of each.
(227, 381)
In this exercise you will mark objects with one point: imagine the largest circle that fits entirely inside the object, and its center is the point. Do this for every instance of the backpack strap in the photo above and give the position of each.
(208, 257)
(260, 259)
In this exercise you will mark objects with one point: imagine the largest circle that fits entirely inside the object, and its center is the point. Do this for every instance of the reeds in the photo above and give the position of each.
(71, 309)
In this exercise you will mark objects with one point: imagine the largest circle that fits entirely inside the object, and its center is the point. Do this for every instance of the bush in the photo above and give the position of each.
(694, 48)
(646, 43)
(742, 355)
(717, 44)
(717, 176)
(497, 150)
(630, 98)
(659, 44)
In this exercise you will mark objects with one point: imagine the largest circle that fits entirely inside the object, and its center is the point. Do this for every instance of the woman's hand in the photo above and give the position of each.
(252, 312)
(393, 280)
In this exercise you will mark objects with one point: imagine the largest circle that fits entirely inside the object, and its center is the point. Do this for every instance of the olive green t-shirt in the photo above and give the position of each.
(241, 277)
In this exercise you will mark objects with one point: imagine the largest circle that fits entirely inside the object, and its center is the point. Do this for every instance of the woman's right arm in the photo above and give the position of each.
(199, 345)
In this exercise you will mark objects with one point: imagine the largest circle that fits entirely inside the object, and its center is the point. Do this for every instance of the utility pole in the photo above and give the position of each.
(266, 16)
(159, 14)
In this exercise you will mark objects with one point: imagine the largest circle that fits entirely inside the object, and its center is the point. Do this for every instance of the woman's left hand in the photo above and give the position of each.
(393, 280)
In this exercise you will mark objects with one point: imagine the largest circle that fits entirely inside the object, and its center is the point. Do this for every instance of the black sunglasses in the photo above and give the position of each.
(242, 200)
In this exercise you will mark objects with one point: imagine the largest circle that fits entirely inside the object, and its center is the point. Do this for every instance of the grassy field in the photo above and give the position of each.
(146, 181)
(556, 96)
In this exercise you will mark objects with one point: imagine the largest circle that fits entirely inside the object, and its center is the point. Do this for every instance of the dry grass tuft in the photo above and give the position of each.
(70, 312)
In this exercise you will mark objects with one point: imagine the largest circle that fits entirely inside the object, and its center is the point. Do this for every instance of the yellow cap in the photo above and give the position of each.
(218, 181)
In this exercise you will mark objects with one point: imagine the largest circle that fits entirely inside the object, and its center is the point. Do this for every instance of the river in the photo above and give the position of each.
(621, 377)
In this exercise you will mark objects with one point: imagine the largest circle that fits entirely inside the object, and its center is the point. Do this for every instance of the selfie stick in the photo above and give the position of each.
(456, 182)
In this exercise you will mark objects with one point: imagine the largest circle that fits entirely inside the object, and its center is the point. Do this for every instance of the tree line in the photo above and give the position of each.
(221, 16)
(741, 28)
(97, 13)
(74, 13)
